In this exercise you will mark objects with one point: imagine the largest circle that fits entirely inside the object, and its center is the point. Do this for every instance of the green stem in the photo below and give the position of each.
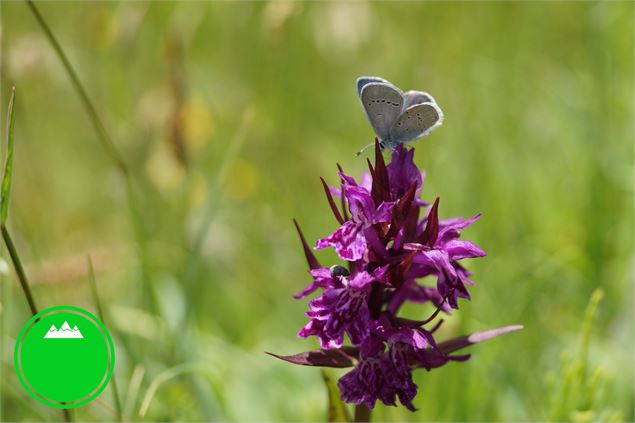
(17, 264)
(88, 105)
(362, 413)
(100, 313)
(24, 283)
(211, 207)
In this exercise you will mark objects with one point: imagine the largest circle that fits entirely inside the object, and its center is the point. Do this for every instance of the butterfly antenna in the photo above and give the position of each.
(365, 147)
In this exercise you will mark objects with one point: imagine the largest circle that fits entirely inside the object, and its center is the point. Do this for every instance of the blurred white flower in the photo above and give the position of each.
(153, 109)
(341, 27)
(28, 54)
(276, 17)
(4, 267)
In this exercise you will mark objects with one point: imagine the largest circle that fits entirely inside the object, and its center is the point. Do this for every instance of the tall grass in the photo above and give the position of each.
(100, 314)
(5, 191)
(108, 145)
(577, 391)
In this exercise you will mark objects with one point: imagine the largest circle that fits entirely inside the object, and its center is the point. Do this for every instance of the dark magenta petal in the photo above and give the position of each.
(431, 232)
(381, 186)
(331, 201)
(310, 258)
(403, 173)
(475, 338)
(338, 358)
(458, 250)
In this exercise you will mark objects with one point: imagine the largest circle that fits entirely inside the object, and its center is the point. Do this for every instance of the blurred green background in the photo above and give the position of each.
(227, 114)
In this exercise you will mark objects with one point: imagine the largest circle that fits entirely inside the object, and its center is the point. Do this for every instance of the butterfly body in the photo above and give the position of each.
(397, 117)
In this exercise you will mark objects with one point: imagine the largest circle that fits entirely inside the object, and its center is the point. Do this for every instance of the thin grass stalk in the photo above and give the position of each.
(193, 262)
(108, 145)
(337, 411)
(132, 394)
(4, 311)
(4, 210)
(17, 264)
(113, 153)
(88, 105)
(93, 287)
(24, 283)
(211, 205)
(5, 190)
(169, 374)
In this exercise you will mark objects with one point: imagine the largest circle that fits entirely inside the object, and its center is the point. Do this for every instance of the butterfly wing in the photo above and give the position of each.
(415, 123)
(416, 97)
(382, 103)
(362, 81)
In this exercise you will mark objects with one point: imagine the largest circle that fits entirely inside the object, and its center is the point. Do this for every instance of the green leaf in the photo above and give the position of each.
(8, 164)
(337, 411)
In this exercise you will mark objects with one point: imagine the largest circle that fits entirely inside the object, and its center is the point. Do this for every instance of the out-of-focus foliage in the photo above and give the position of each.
(578, 389)
(227, 113)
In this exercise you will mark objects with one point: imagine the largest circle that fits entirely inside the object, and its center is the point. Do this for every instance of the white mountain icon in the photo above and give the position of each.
(64, 332)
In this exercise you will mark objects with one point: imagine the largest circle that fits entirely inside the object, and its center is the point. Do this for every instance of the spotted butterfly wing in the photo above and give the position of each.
(382, 103)
(416, 122)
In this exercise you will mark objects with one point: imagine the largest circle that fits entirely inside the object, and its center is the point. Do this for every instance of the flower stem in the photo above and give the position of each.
(17, 264)
(362, 413)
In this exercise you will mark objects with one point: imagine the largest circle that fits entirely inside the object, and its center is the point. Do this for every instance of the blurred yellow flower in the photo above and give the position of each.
(242, 180)
(197, 122)
(163, 168)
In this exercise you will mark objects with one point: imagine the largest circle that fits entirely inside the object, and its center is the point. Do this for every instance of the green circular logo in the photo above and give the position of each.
(64, 357)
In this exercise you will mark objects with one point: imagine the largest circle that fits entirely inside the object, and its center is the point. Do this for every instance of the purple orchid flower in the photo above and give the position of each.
(349, 240)
(402, 173)
(439, 255)
(342, 308)
(388, 249)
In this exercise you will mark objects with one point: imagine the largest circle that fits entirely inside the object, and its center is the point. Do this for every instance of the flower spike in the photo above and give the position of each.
(355, 313)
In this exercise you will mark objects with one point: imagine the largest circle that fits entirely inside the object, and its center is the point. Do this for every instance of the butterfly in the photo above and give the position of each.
(397, 117)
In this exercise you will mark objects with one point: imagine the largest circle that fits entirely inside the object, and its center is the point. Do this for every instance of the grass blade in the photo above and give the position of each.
(104, 138)
(4, 207)
(5, 190)
(100, 313)
(166, 376)
(337, 411)
(8, 164)
(110, 148)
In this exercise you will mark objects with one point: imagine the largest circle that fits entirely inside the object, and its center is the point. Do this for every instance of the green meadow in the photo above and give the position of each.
(222, 118)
